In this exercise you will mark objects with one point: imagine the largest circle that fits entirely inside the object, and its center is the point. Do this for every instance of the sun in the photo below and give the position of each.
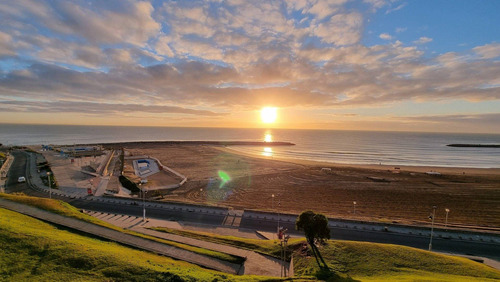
(269, 114)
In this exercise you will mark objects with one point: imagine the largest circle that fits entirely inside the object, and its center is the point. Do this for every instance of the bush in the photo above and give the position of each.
(129, 184)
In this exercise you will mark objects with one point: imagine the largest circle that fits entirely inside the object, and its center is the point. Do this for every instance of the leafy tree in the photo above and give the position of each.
(315, 227)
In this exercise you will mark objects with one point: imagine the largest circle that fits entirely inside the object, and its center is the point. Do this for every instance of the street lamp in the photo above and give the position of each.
(279, 203)
(272, 196)
(433, 215)
(446, 220)
(50, 188)
(354, 204)
(143, 205)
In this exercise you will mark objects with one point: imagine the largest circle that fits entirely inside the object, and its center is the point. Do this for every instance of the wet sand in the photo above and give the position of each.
(382, 193)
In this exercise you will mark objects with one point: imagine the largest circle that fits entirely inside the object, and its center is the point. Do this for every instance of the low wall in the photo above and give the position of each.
(6, 166)
(184, 178)
(439, 232)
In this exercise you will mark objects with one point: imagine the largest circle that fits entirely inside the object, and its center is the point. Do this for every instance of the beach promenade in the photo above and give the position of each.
(455, 241)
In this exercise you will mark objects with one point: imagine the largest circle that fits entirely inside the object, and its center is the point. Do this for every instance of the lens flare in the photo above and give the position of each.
(224, 178)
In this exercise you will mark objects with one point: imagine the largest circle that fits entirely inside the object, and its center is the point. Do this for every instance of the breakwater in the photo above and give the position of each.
(212, 143)
(475, 145)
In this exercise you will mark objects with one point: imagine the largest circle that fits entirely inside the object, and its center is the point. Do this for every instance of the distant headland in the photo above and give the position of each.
(475, 145)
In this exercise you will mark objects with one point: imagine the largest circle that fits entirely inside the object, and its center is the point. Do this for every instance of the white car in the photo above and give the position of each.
(21, 179)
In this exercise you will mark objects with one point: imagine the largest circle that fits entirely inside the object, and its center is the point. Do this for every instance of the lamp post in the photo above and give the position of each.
(354, 205)
(432, 226)
(279, 203)
(50, 188)
(446, 220)
(143, 205)
(272, 196)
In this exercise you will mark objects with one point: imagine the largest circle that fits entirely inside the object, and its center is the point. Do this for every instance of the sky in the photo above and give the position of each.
(388, 65)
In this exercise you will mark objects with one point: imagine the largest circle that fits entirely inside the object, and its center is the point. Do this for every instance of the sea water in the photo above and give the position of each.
(355, 147)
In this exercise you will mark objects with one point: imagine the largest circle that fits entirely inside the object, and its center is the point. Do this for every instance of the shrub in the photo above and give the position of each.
(129, 184)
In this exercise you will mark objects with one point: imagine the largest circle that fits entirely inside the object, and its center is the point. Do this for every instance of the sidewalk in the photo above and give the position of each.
(255, 264)
(123, 238)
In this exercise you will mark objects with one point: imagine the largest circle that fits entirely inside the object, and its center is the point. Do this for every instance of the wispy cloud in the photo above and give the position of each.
(423, 40)
(385, 36)
(398, 7)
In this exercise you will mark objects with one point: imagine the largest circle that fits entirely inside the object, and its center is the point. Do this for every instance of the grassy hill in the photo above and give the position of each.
(36, 251)
(363, 261)
(65, 209)
(384, 262)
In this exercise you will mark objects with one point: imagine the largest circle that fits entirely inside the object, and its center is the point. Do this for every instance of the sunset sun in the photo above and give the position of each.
(269, 114)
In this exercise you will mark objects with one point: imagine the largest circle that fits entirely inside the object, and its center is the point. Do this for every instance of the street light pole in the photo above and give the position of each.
(50, 187)
(432, 226)
(278, 215)
(354, 204)
(446, 220)
(143, 205)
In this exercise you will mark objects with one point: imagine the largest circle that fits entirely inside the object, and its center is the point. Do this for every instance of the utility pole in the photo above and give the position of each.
(446, 221)
(50, 188)
(432, 226)
(143, 205)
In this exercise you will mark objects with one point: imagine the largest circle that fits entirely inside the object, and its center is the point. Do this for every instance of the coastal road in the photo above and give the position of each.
(17, 169)
(482, 249)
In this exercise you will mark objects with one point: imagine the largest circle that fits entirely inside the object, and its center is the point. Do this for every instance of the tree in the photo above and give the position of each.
(315, 227)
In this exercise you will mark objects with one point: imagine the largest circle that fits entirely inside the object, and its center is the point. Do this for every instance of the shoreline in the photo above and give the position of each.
(382, 193)
(406, 168)
(222, 146)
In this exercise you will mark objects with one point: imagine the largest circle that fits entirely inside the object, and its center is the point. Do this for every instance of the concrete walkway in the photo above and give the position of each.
(255, 264)
(123, 238)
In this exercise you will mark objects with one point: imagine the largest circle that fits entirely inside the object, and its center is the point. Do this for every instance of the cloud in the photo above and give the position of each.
(397, 8)
(488, 51)
(423, 40)
(190, 56)
(6, 45)
(110, 22)
(97, 108)
(401, 29)
(472, 119)
(341, 29)
(377, 3)
(385, 36)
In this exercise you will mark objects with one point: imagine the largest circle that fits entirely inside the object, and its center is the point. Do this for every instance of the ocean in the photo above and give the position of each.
(347, 147)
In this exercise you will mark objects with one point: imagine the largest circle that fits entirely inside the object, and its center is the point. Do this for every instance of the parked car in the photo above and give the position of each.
(21, 179)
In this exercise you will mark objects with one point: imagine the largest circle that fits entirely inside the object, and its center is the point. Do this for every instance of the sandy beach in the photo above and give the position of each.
(382, 193)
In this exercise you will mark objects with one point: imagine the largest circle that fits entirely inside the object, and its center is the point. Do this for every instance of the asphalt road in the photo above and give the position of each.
(482, 249)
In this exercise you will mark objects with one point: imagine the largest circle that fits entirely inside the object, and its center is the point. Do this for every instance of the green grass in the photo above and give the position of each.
(361, 260)
(357, 260)
(65, 209)
(33, 250)
(383, 262)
